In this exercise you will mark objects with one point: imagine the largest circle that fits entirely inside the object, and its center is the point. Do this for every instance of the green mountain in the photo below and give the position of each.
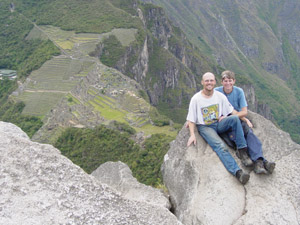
(259, 40)
(82, 65)
(138, 40)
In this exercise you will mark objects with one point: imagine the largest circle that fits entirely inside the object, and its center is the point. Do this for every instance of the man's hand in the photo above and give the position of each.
(191, 140)
(249, 123)
(222, 117)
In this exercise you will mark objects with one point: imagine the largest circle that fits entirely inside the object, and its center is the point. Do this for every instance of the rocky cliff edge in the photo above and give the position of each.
(40, 186)
(203, 192)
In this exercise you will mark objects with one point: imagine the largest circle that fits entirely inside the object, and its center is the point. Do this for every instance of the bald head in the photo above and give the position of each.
(209, 76)
(208, 82)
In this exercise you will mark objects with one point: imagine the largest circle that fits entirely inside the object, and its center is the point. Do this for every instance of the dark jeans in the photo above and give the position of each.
(253, 143)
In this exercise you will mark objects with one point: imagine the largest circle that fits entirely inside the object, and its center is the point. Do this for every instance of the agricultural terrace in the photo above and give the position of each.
(47, 85)
(39, 103)
(80, 43)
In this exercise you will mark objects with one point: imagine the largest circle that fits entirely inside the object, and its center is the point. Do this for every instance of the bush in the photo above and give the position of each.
(158, 119)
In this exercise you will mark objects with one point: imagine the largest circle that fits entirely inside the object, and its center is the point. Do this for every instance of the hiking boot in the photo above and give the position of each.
(242, 176)
(242, 154)
(269, 166)
(259, 167)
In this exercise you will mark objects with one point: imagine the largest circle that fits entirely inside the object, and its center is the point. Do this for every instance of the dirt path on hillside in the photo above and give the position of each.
(51, 91)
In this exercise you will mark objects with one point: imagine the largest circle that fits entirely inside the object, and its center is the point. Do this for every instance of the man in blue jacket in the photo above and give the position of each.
(236, 97)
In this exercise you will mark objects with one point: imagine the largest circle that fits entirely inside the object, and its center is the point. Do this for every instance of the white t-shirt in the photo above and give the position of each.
(208, 110)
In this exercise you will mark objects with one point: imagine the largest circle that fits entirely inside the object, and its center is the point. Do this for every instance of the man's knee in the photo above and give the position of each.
(234, 118)
(218, 146)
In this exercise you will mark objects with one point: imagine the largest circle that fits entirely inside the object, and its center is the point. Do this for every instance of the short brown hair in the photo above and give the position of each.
(228, 74)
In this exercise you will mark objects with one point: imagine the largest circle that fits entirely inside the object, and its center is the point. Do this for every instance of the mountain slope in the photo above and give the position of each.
(76, 89)
(137, 39)
(257, 40)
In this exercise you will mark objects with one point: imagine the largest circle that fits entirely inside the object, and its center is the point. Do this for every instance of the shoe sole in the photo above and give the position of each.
(244, 178)
(261, 171)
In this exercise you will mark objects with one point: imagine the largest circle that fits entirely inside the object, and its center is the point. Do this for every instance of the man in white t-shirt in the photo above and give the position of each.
(208, 112)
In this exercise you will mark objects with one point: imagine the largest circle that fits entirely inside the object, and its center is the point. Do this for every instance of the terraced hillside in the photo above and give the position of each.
(74, 89)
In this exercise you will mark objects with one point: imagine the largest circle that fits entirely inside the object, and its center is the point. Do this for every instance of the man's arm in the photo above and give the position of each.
(192, 138)
(242, 115)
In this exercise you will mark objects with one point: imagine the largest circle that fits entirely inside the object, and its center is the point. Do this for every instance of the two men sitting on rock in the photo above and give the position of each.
(208, 112)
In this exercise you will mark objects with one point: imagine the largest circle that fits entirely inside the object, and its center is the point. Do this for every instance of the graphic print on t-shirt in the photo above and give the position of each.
(210, 114)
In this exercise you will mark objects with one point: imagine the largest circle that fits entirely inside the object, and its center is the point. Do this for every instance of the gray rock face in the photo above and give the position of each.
(118, 176)
(40, 186)
(254, 105)
(203, 192)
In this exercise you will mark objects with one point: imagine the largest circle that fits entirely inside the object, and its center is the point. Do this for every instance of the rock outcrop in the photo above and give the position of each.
(253, 104)
(40, 186)
(118, 176)
(203, 192)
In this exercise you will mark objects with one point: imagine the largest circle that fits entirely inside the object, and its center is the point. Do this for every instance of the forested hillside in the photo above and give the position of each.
(22, 55)
(97, 146)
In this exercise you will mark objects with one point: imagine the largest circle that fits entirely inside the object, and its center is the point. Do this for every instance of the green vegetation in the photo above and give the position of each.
(10, 111)
(157, 62)
(158, 119)
(37, 52)
(112, 51)
(107, 109)
(93, 16)
(292, 58)
(125, 5)
(6, 87)
(39, 103)
(146, 164)
(89, 148)
(15, 51)
(24, 56)
(122, 127)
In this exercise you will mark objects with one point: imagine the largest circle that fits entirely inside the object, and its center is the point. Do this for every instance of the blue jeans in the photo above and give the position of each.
(253, 143)
(210, 134)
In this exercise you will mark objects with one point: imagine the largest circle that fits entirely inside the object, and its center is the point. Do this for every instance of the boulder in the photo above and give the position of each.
(202, 191)
(40, 186)
(118, 176)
